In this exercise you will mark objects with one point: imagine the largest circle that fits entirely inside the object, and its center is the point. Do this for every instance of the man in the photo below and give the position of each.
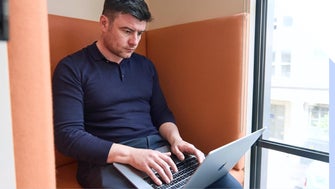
(108, 105)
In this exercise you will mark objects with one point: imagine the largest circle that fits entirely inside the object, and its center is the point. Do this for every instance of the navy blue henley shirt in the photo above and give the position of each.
(98, 102)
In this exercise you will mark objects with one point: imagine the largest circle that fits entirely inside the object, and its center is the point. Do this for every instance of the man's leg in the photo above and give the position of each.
(227, 181)
(106, 176)
(112, 178)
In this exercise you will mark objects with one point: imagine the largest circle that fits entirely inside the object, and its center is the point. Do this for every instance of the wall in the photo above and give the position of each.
(165, 12)
(30, 93)
(172, 12)
(83, 9)
(7, 171)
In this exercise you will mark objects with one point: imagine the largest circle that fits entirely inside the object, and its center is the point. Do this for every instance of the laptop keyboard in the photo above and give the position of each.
(185, 169)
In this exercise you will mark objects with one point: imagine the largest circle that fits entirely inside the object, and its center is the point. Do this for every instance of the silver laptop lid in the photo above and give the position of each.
(221, 160)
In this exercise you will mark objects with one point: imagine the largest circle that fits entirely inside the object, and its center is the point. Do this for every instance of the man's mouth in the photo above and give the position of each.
(130, 50)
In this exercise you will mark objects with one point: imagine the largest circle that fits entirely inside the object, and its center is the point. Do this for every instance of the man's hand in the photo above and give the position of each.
(146, 160)
(151, 161)
(181, 147)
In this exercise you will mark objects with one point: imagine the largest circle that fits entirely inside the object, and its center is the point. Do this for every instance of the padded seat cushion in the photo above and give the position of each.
(66, 176)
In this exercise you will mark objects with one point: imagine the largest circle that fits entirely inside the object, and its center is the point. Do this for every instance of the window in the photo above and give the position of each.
(318, 116)
(286, 57)
(277, 121)
(287, 21)
(291, 95)
(281, 68)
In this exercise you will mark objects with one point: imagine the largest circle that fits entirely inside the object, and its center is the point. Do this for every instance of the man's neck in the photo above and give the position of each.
(107, 54)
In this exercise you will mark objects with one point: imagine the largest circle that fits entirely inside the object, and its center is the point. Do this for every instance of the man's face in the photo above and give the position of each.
(121, 36)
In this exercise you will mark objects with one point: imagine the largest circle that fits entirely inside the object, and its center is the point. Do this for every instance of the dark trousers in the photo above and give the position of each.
(94, 176)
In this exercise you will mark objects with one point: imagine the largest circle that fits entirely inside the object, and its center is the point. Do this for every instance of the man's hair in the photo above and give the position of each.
(137, 8)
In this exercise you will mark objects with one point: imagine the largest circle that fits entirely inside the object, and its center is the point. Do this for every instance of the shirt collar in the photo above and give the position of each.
(94, 52)
(98, 56)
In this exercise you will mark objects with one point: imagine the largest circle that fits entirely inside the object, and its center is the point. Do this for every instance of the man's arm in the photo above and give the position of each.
(71, 138)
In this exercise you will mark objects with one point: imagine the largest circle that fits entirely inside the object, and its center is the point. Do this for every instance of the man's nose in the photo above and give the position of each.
(134, 39)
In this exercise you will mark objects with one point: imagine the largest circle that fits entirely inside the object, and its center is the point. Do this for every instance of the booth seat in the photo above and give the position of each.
(201, 68)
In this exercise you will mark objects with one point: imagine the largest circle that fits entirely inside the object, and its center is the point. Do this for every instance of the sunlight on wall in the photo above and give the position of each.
(82, 9)
(7, 172)
(172, 12)
(165, 12)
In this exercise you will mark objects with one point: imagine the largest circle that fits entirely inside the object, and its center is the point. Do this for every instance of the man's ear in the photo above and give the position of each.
(104, 22)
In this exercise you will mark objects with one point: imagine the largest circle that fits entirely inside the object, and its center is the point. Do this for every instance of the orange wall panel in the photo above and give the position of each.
(29, 72)
(200, 66)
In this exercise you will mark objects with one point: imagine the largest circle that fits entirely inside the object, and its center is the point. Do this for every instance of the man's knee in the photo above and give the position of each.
(227, 181)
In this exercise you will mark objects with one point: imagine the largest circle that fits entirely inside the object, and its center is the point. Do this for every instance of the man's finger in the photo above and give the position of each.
(163, 171)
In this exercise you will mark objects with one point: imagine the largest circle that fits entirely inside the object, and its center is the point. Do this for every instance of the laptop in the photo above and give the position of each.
(217, 163)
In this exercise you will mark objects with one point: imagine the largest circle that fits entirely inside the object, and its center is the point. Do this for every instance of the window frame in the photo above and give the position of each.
(258, 104)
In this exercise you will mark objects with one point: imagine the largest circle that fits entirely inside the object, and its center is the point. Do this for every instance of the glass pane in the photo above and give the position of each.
(284, 171)
(296, 110)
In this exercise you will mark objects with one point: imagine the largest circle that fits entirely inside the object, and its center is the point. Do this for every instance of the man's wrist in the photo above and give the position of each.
(119, 153)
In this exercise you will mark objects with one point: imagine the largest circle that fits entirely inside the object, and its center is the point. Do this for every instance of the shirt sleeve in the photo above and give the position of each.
(160, 112)
(70, 136)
